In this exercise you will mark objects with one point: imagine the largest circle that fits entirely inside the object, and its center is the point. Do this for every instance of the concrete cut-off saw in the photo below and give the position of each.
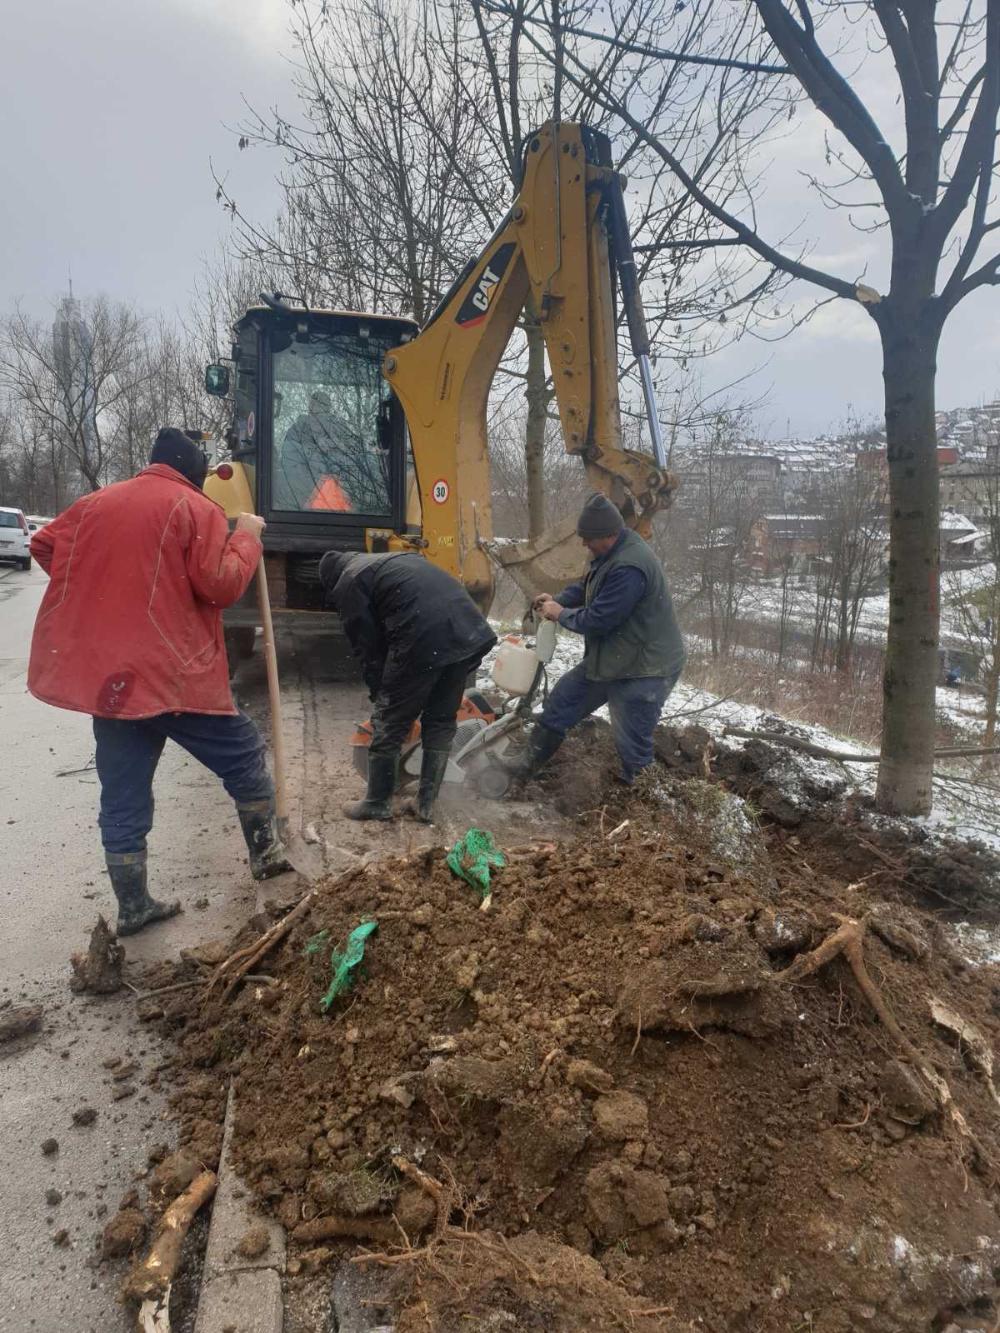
(481, 751)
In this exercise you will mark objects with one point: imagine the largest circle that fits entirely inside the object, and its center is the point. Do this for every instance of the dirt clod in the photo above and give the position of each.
(49, 1146)
(619, 1116)
(99, 970)
(21, 1021)
(85, 1115)
(123, 1234)
(254, 1242)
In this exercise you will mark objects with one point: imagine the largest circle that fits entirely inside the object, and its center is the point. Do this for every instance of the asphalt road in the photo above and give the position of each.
(52, 888)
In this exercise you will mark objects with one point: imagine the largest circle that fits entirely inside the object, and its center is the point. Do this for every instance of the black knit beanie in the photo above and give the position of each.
(180, 452)
(599, 518)
(331, 567)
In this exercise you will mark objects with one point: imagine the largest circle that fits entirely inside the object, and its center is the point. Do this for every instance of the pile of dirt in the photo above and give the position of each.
(643, 1090)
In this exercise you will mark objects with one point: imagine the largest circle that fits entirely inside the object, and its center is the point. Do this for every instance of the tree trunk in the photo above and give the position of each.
(992, 690)
(909, 346)
(537, 398)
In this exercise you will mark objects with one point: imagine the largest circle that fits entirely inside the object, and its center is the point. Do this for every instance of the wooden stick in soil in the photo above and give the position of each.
(237, 965)
(150, 1282)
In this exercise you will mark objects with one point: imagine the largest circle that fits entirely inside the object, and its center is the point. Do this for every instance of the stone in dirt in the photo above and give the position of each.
(23, 1021)
(53, 1198)
(85, 1115)
(99, 970)
(123, 1234)
(49, 1146)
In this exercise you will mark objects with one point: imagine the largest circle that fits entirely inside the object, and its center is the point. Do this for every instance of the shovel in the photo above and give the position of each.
(305, 859)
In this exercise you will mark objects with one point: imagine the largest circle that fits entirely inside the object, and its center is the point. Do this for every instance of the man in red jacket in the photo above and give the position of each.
(130, 631)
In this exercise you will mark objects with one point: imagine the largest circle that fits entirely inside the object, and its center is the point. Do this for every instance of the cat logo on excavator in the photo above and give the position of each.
(476, 305)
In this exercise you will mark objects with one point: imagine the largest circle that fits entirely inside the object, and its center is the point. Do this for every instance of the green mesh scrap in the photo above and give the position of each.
(316, 943)
(342, 965)
(473, 857)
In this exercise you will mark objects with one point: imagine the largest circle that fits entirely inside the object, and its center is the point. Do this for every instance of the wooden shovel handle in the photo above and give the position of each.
(274, 698)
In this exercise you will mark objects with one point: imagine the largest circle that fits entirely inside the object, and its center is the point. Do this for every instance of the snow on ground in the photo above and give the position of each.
(963, 808)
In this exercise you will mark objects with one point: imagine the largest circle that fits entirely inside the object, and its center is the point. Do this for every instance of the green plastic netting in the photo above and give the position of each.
(342, 965)
(473, 857)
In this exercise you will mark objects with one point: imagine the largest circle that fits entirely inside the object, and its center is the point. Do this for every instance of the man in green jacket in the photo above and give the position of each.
(633, 650)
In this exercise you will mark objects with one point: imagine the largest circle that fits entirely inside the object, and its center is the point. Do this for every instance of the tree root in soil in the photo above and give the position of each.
(233, 969)
(847, 941)
(149, 1283)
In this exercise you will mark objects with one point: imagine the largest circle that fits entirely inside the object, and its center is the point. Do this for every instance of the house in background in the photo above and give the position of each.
(960, 538)
(786, 542)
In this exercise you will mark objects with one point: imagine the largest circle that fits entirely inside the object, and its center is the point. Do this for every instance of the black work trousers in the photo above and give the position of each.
(432, 696)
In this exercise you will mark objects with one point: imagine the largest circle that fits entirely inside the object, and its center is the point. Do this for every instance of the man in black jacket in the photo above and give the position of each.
(419, 635)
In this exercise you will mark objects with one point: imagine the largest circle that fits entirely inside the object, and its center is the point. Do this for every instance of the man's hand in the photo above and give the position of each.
(549, 609)
(252, 523)
(536, 605)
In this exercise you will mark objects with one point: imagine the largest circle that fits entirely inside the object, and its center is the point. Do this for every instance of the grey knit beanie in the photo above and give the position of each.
(599, 518)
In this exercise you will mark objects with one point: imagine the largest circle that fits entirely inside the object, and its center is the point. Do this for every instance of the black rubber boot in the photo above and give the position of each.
(433, 765)
(260, 829)
(542, 745)
(135, 907)
(377, 804)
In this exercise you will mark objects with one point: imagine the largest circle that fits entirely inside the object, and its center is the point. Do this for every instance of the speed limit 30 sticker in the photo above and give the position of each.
(440, 491)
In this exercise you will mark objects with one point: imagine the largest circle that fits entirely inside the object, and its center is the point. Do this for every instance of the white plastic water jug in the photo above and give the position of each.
(514, 666)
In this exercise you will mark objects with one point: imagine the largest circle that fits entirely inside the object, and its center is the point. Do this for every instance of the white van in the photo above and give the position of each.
(14, 537)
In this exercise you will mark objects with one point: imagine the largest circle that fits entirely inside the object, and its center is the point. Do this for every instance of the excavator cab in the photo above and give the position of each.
(318, 446)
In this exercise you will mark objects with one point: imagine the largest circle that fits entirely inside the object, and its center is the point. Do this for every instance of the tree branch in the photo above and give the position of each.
(642, 48)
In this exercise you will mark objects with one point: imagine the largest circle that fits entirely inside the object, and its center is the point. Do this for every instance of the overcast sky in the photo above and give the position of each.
(114, 109)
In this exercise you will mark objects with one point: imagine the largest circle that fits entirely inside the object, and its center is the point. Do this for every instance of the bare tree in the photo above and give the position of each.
(973, 596)
(931, 192)
(384, 178)
(851, 559)
(72, 379)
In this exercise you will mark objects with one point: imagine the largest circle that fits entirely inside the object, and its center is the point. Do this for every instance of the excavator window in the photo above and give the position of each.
(329, 454)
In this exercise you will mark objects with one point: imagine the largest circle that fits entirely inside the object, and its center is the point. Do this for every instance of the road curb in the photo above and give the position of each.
(239, 1294)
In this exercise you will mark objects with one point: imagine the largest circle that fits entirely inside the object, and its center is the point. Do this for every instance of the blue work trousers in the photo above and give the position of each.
(634, 705)
(129, 750)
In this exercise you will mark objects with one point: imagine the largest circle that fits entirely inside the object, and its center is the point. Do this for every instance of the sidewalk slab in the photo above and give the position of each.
(243, 1302)
(233, 1215)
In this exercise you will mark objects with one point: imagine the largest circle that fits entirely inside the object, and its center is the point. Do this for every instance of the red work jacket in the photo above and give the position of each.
(131, 622)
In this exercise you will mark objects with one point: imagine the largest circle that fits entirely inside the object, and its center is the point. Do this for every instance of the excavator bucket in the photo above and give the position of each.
(544, 565)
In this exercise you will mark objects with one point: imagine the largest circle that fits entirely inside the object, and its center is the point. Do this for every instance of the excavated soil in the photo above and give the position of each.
(598, 1105)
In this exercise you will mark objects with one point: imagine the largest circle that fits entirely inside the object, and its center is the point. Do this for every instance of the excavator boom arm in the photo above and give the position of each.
(554, 247)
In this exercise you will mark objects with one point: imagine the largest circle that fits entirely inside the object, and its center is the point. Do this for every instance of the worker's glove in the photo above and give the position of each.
(252, 523)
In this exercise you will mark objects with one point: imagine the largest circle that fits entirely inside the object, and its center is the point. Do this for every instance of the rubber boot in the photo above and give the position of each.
(433, 766)
(260, 829)
(135, 907)
(377, 804)
(542, 745)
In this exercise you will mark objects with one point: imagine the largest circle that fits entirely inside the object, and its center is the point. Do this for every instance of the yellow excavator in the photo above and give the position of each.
(364, 432)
